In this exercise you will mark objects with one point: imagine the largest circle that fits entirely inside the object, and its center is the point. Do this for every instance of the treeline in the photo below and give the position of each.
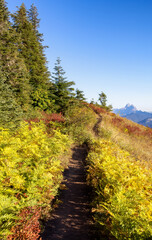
(26, 84)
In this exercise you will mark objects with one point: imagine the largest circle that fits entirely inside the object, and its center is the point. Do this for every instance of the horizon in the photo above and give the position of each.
(103, 46)
(123, 107)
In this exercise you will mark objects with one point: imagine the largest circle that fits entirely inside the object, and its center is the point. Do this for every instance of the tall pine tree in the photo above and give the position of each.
(31, 50)
(62, 89)
(10, 112)
(12, 65)
(33, 18)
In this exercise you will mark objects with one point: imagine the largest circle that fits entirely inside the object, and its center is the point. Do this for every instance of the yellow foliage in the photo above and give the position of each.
(30, 169)
(123, 187)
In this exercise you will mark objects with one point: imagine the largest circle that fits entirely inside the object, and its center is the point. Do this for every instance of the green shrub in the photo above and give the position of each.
(79, 123)
(104, 133)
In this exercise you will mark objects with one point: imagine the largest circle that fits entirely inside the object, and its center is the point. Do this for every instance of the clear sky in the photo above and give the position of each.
(104, 45)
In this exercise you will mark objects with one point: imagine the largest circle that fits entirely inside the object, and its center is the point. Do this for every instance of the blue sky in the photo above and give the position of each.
(104, 45)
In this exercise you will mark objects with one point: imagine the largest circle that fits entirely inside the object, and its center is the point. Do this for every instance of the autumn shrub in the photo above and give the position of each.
(27, 225)
(47, 118)
(97, 109)
(130, 127)
(54, 117)
(30, 174)
(123, 202)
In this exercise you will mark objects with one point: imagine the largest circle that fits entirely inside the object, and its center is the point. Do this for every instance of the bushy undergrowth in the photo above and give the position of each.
(30, 174)
(48, 118)
(123, 202)
(79, 123)
(97, 109)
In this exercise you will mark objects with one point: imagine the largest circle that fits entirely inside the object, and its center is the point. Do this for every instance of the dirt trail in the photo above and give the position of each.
(72, 220)
(96, 126)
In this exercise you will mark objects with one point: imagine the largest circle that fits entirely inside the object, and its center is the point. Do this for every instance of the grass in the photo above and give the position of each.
(130, 136)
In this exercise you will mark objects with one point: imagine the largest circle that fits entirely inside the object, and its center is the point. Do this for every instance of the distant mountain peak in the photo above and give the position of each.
(130, 112)
(128, 109)
(130, 106)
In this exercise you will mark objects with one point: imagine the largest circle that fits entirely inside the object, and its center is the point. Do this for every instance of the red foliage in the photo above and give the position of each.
(97, 109)
(117, 120)
(54, 117)
(131, 129)
(28, 226)
(47, 118)
(148, 132)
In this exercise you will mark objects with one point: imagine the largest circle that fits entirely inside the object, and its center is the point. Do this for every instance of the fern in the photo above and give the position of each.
(123, 187)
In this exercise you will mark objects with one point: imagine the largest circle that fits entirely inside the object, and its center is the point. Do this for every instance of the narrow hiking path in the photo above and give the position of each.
(72, 219)
(96, 126)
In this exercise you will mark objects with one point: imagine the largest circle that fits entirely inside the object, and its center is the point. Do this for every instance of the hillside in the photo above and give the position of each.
(133, 137)
(117, 148)
(43, 150)
(52, 139)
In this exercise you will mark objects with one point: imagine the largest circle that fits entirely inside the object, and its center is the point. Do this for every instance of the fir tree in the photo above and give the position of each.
(31, 50)
(10, 112)
(4, 14)
(62, 89)
(33, 18)
(12, 65)
(80, 95)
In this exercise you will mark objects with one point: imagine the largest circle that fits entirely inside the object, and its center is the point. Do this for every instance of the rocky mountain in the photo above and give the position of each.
(146, 122)
(138, 116)
(130, 112)
(128, 109)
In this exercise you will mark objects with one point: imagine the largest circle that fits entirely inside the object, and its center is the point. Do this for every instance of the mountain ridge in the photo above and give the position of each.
(130, 112)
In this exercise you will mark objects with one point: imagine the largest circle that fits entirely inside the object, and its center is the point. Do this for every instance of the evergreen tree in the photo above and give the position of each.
(4, 14)
(33, 18)
(62, 89)
(10, 112)
(80, 95)
(31, 50)
(12, 65)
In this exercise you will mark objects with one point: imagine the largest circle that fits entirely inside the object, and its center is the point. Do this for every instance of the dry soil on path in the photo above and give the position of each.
(72, 219)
